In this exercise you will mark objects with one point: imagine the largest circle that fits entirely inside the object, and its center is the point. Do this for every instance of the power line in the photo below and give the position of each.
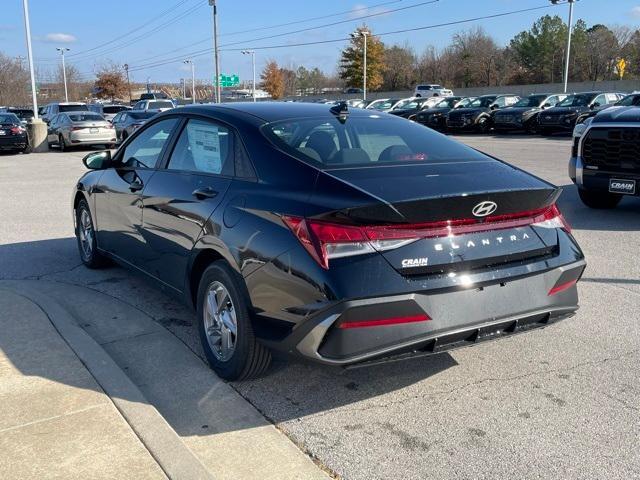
(311, 19)
(421, 4)
(336, 40)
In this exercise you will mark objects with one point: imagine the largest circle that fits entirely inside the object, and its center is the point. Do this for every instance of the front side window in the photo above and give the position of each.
(144, 150)
(364, 141)
(203, 147)
(575, 101)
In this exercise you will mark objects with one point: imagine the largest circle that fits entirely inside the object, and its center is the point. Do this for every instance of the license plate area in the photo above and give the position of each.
(625, 187)
(93, 130)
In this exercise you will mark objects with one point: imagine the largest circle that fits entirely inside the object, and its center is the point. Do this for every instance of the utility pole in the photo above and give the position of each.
(64, 71)
(193, 79)
(27, 27)
(568, 55)
(126, 69)
(253, 65)
(363, 33)
(215, 49)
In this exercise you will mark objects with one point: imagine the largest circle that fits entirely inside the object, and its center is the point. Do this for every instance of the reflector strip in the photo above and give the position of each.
(385, 321)
(562, 287)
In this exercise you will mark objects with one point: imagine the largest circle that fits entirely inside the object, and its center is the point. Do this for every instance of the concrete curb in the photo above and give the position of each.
(162, 442)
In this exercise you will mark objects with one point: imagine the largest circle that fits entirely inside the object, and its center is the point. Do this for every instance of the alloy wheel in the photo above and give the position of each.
(85, 232)
(220, 323)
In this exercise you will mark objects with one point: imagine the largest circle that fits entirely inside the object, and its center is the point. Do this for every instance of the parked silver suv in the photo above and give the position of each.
(431, 90)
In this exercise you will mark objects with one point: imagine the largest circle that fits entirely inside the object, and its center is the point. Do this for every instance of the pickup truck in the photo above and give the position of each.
(605, 158)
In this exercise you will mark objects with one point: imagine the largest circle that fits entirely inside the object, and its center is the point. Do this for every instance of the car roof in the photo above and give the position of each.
(270, 111)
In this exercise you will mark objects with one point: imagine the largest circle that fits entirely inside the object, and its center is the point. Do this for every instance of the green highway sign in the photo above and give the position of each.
(229, 80)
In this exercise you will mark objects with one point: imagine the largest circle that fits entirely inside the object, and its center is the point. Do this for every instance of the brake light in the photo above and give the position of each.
(324, 240)
(77, 128)
(16, 130)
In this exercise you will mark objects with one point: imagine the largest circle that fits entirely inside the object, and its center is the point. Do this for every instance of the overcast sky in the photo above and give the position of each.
(130, 32)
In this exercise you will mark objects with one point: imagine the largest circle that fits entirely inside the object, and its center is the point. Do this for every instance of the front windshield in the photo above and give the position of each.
(531, 101)
(381, 105)
(367, 141)
(630, 101)
(482, 102)
(447, 102)
(575, 101)
(408, 103)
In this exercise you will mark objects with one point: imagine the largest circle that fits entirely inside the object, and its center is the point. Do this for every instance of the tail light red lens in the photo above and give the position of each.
(385, 321)
(16, 130)
(562, 287)
(76, 128)
(325, 241)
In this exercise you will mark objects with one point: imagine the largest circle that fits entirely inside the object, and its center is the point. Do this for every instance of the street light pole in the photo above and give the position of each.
(64, 71)
(253, 65)
(126, 69)
(215, 49)
(27, 27)
(193, 80)
(363, 33)
(568, 55)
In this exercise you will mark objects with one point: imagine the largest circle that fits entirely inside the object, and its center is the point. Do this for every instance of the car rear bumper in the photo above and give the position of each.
(13, 142)
(598, 179)
(91, 139)
(346, 333)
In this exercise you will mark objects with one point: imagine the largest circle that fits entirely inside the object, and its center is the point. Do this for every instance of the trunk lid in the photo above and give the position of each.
(491, 197)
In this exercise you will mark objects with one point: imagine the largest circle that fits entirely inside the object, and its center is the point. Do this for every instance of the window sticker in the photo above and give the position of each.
(204, 141)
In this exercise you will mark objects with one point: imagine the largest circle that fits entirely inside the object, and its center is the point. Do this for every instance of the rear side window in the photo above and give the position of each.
(73, 108)
(203, 147)
(145, 149)
(364, 141)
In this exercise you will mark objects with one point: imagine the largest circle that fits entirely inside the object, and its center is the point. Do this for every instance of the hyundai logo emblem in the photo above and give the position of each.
(484, 209)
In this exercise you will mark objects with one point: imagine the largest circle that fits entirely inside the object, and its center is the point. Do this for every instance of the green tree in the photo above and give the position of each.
(351, 62)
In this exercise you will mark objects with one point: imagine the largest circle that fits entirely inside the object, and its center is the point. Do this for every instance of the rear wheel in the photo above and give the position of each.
(86, 236)
(224, 325)
(483, 125)
(599, 200)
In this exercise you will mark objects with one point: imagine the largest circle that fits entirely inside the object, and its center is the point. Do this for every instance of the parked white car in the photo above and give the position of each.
(158, 105)
(431, 90)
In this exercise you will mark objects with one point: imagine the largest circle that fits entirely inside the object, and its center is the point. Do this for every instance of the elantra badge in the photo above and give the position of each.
(484, 209)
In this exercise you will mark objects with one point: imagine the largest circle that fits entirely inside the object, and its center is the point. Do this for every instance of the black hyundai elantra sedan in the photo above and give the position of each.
(341, 236)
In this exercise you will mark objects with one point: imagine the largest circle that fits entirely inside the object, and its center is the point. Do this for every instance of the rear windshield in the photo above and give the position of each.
(364, 141)
(22, 113)
(141, 115)
(85, 117)
(161, 104)
(532, 101)
(73, 108)
(8, 118)
(113, 108)
(482, 102)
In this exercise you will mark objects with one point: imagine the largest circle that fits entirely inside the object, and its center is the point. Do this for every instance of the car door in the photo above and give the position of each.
(182, 196)
(118, 192)
(117, 123)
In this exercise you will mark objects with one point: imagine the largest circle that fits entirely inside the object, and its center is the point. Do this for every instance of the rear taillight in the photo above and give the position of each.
(379, 322)
(73, 129)
(562, 287)
(16, 130)
(324, 240)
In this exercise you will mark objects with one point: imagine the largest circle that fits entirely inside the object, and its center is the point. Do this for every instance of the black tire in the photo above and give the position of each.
(61, 144)
(27, 149)
(484, 125)
(599, 200)
(90, 255)
(249, 358)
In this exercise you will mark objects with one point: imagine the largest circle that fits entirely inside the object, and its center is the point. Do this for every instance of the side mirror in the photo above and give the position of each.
(595, 105)
(97, 160)
(547, 105)
(494, 107)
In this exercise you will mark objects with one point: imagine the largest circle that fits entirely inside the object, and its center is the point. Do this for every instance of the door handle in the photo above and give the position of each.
(136, 185)
(204, 192)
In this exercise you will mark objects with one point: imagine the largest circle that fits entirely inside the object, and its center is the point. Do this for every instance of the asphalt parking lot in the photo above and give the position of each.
(555, 403)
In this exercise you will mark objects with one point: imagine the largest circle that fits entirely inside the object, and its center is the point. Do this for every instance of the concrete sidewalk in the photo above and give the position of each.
(55, 420)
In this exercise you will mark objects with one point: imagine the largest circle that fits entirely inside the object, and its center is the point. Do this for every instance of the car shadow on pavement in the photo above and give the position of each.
(296, 387)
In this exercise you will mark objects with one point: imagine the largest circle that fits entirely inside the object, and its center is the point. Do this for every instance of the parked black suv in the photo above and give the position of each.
(524, 114)
(436, 116)
(632, 100)
(563, 117)
(605, 164)
(477, 116)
